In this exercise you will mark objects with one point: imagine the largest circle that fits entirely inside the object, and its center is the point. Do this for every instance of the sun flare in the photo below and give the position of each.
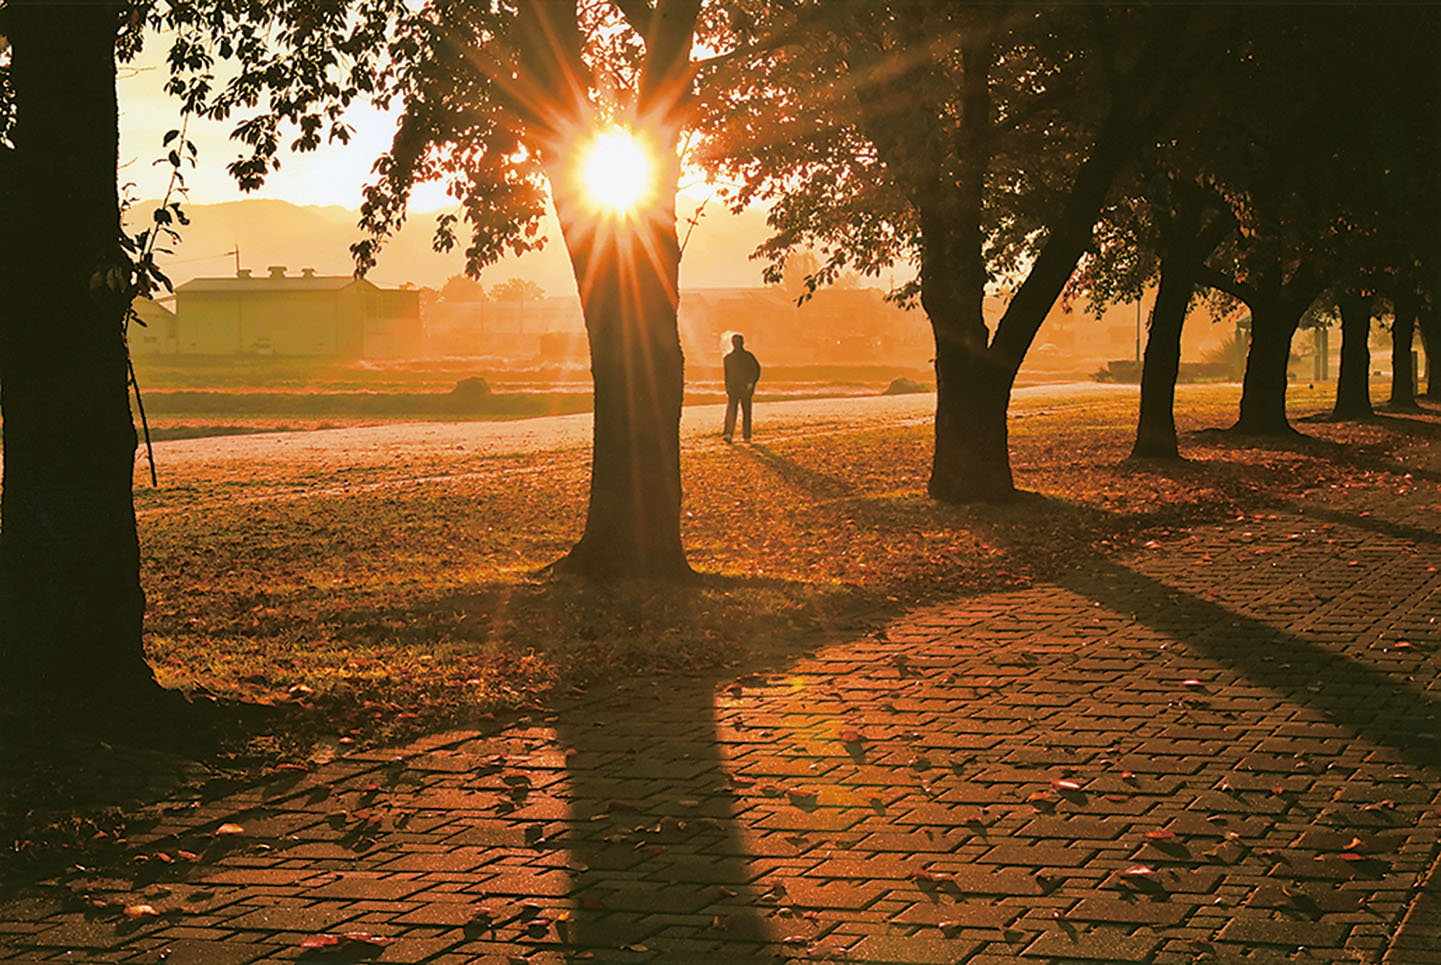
(617, 171)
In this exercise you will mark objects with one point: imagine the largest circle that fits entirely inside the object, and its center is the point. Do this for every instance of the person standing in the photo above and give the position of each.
(742, 372)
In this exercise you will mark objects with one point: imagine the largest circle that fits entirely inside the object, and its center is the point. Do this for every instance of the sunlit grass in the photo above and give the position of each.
(369, 602)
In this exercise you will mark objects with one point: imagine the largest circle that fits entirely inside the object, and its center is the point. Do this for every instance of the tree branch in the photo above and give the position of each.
(666, 76)
(1211, 278)
(637, 13)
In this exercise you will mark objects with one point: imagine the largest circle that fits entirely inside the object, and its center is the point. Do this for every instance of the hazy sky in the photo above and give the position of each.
(334, 174)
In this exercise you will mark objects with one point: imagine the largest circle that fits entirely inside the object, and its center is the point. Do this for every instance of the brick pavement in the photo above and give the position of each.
(1224, 749)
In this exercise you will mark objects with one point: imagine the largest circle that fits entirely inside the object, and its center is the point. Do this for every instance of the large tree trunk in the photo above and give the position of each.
(1353, 380)
(627, 271)
(1156, 424)
(1428, 323)
(71, 606)
(972, 458)
(1263, 389)
(628, 274)
(1403, 333)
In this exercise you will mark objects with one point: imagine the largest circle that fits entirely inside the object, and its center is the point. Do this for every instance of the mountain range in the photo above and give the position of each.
(274, 232)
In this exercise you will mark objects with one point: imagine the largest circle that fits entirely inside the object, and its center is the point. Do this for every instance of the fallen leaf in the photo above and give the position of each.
(315, 942)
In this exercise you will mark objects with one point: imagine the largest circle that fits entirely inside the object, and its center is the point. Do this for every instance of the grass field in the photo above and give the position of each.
(416, 594)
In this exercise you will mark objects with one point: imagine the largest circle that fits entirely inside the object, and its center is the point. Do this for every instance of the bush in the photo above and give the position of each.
(470, 391)
(904, 386)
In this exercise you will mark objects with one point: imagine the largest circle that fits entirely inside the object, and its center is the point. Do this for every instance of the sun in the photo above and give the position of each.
(616, 171)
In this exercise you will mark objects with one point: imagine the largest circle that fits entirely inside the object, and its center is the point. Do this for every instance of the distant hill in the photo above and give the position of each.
(272, 232)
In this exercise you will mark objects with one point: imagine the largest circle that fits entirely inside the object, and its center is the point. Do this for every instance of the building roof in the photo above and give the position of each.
(275, 280)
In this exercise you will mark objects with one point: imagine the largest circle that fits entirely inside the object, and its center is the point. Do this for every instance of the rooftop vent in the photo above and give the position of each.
(242, 273)
(307, 272)
(277, 271)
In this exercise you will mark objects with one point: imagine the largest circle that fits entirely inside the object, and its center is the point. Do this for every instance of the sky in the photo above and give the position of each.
(334, 174)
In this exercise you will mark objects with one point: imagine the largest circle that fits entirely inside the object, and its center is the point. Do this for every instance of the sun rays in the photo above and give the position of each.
(617, 172)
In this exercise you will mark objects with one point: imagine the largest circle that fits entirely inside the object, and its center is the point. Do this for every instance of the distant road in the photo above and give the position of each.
(362, 447)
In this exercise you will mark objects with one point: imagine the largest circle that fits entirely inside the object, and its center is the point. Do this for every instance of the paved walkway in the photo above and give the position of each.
(1226, 749)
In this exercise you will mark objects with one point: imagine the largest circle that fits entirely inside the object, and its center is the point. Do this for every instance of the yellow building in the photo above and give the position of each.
(152, 332)
(307, 314)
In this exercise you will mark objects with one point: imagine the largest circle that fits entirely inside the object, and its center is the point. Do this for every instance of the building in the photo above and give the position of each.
(845, 326)
(153, 330)
(334, 316)
(521, 329)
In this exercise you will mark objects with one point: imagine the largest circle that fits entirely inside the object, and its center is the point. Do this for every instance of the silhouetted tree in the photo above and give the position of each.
(71, 605)
(1353, 378)
(462, 288)
(1405, 307)
(978, 142)
(516, 290)
(502, 102)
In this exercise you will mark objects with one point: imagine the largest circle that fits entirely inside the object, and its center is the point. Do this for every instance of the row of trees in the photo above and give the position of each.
(1254, 153)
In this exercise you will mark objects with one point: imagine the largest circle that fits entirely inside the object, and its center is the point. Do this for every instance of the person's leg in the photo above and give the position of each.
(746, 418)
(730, 425)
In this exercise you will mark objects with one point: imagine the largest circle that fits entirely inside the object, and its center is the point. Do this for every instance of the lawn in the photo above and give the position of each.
(411, 597)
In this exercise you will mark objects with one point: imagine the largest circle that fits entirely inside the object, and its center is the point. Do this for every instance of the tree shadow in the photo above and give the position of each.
(655, 847)
(1375, 457)
(1374, 524)
(822, 485)
(1384, 708)
(71, 786)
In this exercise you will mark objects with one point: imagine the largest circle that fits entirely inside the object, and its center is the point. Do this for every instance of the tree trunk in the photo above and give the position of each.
(1353, 380)
(627, 273)
(1403, 333)
(1263, 389)
(971, 461)
(972, 457)
(71, 606)
(1428, 323)
(1156, 425)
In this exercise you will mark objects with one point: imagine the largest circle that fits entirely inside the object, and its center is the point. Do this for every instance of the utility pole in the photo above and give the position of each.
(1138, 332)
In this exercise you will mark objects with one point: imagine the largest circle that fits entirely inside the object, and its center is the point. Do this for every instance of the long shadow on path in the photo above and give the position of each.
(658, 864)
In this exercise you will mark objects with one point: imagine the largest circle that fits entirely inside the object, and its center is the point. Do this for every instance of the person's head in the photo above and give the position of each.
(738, 341)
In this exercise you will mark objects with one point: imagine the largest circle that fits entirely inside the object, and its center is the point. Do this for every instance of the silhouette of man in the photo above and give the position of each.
(742, 373)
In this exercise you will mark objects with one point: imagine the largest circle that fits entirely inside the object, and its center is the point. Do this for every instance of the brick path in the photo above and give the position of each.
(1226, 749)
